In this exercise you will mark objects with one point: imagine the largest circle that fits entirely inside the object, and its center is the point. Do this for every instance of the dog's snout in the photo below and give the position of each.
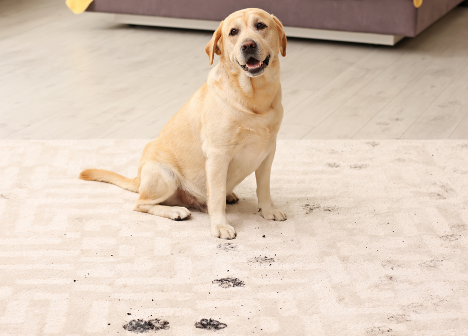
(248, 45)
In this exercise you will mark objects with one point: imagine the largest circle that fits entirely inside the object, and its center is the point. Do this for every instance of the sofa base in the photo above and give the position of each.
(320, 34)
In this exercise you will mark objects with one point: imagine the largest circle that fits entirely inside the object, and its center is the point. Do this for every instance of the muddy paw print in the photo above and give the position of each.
(229, 282)
(143, 326)
(210, 324)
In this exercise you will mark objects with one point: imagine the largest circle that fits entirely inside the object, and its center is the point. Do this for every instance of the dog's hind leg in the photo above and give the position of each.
(158, 193)
(232, 198)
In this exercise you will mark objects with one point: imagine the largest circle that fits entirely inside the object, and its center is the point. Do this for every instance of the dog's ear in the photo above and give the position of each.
(212, 46)
(282, 35)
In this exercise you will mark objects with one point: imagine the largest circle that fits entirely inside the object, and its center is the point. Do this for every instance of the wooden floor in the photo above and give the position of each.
(64, 76)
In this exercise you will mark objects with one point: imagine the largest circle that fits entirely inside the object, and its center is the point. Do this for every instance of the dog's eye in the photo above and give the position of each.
(233, 32)
(261, 26)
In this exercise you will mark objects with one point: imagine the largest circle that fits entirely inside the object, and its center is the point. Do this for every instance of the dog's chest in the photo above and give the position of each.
(252, 144)
(245, 161)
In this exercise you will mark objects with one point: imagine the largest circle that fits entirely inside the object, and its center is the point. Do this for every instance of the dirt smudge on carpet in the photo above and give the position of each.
(210, 324)
(143, 326)
(229, 282)
(228, 247)
(311, 207)
(261, 260)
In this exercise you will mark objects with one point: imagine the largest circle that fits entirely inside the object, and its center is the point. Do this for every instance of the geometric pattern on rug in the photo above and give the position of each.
(375, 244)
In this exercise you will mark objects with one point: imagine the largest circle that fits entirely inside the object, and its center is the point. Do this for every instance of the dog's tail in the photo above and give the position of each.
(111, 177)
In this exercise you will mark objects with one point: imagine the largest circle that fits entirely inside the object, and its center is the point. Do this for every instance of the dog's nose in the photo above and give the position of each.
(248, 45)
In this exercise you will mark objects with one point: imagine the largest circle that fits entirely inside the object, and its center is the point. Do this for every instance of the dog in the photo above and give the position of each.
(225, 132)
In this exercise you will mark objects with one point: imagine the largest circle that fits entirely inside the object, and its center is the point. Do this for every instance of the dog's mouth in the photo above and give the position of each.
(255, 66)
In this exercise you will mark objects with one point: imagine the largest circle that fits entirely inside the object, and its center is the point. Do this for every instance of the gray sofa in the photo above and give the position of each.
(396, 18)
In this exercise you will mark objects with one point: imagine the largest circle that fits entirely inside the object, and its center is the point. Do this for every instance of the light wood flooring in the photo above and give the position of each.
(64, 76)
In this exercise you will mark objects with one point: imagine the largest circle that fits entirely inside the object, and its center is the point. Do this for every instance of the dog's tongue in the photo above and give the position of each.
(252, 62)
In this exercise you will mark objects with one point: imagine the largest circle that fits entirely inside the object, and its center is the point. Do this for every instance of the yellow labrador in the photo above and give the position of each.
(225, 132)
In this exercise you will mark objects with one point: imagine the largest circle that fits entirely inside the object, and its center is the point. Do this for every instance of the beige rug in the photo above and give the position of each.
(375, 244)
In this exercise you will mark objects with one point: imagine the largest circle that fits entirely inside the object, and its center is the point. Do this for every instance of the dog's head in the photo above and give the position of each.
(249, 39)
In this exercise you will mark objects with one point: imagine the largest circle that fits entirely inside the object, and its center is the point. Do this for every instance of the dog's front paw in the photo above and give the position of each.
(224, 231)
(272, 213)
